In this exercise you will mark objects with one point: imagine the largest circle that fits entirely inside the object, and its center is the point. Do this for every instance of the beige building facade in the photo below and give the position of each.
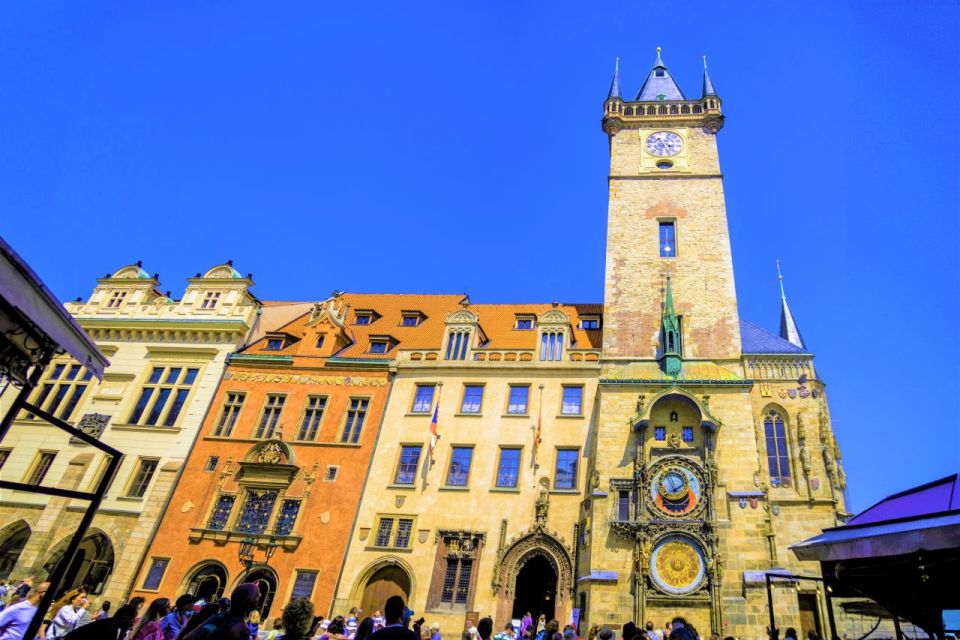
(485, 524)
(166, 360)
(713, 446)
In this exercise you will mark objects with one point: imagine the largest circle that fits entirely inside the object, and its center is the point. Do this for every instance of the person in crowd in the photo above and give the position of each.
(364, 629)
(3, 594)
(108, 628)
(199, 617)
(224, 604)
(299, 622)
(274, 634)
(173, 622)
(66, 613)
(137, 603)
(231, 625)
(24, 587)
(435, 631)
(15, 618)
(104, 612)
(605, 633)
(378, 620)
(812, 635)
(485, 628)
(395, 629)
(85, 617)
(337, 626)
(680, 631)
(526, 623)
(541, 623)
(149, 626)
(629, 630)
(593, 631)
(650, 633)
(790, 634)
(352, 622)
(569, 633)
(253, 624)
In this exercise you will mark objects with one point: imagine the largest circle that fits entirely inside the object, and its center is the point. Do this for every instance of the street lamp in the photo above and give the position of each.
(247, 549)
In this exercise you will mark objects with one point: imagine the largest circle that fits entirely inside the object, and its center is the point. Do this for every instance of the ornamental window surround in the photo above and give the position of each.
(458, 341)
(551, 344)
(210, 300)
(778, 453)
(454, 581)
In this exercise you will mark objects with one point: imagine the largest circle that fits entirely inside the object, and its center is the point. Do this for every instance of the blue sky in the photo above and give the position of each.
(455, 147)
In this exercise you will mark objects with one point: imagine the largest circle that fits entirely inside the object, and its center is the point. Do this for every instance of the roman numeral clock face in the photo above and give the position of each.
(664, 144)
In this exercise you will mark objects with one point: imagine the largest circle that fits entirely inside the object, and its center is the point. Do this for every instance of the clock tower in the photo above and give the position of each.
(702, 470)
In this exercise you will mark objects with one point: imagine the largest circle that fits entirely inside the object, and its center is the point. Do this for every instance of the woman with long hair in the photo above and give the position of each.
(149, 626)
(364, 629)
(68, 609)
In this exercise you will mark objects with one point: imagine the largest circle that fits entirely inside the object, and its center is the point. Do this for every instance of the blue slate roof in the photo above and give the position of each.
(659, 83)
(755, 339)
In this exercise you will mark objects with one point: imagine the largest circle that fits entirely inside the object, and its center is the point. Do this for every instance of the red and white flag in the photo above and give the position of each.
(434, 434)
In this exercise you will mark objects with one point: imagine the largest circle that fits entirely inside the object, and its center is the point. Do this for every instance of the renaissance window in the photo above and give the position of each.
(287, 517)
(456, 581)
(211, 464)
(423, 399)
(356, 414)
(141, 479)
(459, 470)
(565, 476)
(397, 537)
(457, 342)
(668, 240)
(221, 512)
(551, 345)
(60, 393)
(272, 408)
(572, 401)
(660, 433)
(688, 434)
(40, 467)
(232, 404)
(508, 470)
(163, 396)
(778, 457)
(407, 466)
(256, 511)
(517, 402)
(210, 300)
(623, 505)
(472, 398)
(312, 415)
(116, 299)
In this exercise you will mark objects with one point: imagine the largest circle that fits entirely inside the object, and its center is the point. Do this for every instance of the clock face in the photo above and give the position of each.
(672, 483)
(676, 490)
(664, 144)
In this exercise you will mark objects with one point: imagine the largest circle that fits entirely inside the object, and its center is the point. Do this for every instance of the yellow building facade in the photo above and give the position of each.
(166, 360)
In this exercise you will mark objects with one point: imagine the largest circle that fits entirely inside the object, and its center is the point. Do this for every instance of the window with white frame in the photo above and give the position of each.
(551, 345)
(60, 392)
(163, 396)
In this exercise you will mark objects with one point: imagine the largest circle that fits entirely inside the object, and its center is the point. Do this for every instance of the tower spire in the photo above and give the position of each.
(788, 326)
(614, 93)
(671, 351)
(708, 89)
(659, 85)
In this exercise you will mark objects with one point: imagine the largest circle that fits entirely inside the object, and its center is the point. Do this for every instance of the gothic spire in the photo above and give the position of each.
(614, 92)
(670, 336)
(659, 85)
(788, 326)
(708, 89)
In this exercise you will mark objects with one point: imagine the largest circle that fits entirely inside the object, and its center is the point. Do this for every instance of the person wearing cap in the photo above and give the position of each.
(435, 631)
(606, 633)
(173, 622)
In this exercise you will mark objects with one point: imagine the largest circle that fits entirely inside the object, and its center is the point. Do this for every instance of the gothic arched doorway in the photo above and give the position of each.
(266, 581)
(387, 581)
(208, 582)
(91, 566)
(536, 590)
(15, 539)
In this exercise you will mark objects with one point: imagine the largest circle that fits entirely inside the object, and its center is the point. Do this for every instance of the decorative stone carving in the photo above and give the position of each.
(674, 441)
(461, 544)
(542, 506)
(92, 424)
(535, 541)
(399, 500)
(271, 453)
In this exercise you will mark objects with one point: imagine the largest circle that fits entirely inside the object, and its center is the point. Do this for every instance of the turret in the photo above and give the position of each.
(788, 326)
(671, 350)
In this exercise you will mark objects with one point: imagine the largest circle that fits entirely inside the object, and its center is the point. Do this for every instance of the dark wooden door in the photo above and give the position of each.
(387, 582)
(809, 615)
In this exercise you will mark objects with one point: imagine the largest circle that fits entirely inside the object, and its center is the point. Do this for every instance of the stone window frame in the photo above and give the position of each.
(233, 402)
(322, 401)
(144, 382)
(148, 567)
(31, 476)
(135, 483)
(353, 437)
(391, 545)
(444, 539)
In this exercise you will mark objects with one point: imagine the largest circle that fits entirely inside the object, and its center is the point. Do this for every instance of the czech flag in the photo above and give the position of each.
(434, 435)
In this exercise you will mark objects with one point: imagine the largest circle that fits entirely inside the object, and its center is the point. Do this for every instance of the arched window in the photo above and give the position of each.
(457, 345)
(778, 457)
(551, 345)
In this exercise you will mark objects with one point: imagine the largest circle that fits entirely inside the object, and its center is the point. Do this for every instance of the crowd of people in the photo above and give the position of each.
(74, 617)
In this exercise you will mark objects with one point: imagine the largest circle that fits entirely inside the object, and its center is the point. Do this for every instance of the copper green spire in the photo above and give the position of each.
(671, 351)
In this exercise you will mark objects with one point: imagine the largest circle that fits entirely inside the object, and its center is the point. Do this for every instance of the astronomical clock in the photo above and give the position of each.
(665, 509)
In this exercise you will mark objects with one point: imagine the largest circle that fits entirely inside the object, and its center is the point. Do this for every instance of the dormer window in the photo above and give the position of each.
(364, 318)
(379, 346)
(411, 319)
(524, 323)
(659, 73)
(590, 322)
(210, 300)
(551, 345)
(274, 344)
(116, 299)
(457, 345)
(320, 339)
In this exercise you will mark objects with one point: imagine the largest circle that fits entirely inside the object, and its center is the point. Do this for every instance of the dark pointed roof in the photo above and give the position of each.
(757, 340)
(659, 82)
(708, 89)
(615, 85)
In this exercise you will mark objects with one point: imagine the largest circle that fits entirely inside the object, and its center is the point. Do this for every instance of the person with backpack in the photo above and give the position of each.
(231, 625)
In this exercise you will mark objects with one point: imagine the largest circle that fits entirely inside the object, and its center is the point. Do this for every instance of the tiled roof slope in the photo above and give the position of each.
(498, 322)
(755, 339)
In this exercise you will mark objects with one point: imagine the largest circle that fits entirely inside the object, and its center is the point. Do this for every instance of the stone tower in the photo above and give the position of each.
(702, 472)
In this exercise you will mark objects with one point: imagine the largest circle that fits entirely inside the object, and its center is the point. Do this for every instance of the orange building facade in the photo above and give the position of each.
(282, 457)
